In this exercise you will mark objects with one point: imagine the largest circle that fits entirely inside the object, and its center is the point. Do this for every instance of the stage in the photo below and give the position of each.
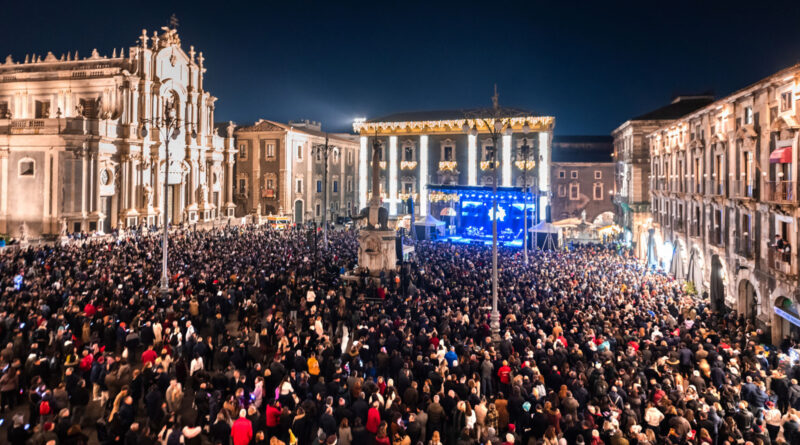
(468, 213)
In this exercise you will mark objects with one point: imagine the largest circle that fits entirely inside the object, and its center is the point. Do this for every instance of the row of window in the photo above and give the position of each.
(575, 191)
(573, 174)
(268, 152)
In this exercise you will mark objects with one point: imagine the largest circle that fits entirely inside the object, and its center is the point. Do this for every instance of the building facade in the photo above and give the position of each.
(80, 148)
(582, 176)
(432, 147)
(632, 157)
(724, 200)
(279, 171)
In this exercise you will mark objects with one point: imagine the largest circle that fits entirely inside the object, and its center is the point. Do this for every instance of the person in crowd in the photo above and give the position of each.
(261, 340)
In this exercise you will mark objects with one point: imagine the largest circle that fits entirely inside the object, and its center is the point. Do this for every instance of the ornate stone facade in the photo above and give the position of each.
(277, 171)
(80, 146)
(431, 147)
(723, 185)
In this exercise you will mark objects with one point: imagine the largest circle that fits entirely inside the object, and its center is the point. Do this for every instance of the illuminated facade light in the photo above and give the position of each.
(393, 175)
(505, 164)
(362, 173)
(472, 160)
(423, 175)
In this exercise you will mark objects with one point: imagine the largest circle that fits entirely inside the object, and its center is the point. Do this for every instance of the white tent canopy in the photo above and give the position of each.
(545, 227)
(428, 221)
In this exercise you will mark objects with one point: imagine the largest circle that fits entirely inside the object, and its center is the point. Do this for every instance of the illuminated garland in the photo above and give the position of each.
(437, 196)
(487, 165)
(448, 166)
(522, 165)
(408, 165)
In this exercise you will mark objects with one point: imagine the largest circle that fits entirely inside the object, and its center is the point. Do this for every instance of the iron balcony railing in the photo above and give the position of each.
(780, 191)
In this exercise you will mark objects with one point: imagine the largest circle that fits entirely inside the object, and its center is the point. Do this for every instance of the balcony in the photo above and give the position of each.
(488, 165)
(744, 247)
(715, 188)
(743, 189)
(782, 192)
(448, 166)
(779, 261)
(715, 236)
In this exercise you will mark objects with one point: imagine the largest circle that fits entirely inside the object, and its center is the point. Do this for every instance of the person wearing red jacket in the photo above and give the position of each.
(273, 419)
(504, 373)
(373, 418)
(242, 429)
(149, 356)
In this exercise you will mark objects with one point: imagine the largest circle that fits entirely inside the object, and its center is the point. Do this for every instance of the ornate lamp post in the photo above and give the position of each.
(325, 150)
(497, 127)
(169, 126)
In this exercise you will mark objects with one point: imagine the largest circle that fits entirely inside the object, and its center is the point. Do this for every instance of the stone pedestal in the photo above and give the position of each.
(376, 251)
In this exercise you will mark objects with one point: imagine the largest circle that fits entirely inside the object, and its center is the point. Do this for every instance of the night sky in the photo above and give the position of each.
(590, 64)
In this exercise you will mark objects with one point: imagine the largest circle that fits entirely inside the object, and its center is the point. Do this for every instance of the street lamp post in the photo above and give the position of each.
(525, 129)
(169, 124)
(325, 150)
(496, 126)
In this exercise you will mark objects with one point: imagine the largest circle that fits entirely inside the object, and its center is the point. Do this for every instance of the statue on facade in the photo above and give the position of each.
(63, 230)
(148, 195)
(23, 232)
(203, 193)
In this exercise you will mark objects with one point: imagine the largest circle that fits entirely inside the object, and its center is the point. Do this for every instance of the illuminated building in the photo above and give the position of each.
(632, 157)
(80, 148)
(723, 184)
(276, 172)
(582, 178)
(431, 147)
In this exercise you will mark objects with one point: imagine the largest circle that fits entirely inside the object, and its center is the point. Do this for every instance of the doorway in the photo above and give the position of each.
(105, 206)
(748, 300)
(298, 211)
(717, 285)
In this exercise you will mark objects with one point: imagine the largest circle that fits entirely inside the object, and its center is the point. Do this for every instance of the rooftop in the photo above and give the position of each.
(582, 148)
(444, 115)
(679, 107)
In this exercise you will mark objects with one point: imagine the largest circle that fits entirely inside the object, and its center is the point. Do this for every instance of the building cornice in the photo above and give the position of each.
(451, 126)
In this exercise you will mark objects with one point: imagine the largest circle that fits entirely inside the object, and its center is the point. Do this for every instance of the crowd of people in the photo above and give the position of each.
(262, 341)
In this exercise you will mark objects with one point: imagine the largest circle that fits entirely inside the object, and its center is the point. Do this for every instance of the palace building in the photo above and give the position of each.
(82, 149)
(632, 157)
(724, 201)
(280, 170)
(582, 176)
(427, 148)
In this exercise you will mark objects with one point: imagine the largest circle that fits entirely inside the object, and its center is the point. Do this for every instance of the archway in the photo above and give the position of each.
(298, 211)
(748, 300)
(717, 285)
(604, 219)
(695, 270)
(678, 266)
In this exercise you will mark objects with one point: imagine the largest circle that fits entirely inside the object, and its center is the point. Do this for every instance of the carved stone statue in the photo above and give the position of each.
(148, 195)
(63, 231)
(23, 232)
(203, 193)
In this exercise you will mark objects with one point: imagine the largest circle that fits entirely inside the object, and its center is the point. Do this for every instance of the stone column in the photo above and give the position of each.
(84, 183)
(4, 191)
(96, 185)
(423, 175)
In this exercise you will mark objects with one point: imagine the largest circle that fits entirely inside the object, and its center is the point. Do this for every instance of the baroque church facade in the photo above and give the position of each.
(83, 146)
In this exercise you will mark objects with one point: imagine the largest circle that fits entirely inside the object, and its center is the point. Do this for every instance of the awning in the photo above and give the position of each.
(782, 154)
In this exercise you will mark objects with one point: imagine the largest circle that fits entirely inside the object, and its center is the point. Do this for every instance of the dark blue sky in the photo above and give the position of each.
(590, 64)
